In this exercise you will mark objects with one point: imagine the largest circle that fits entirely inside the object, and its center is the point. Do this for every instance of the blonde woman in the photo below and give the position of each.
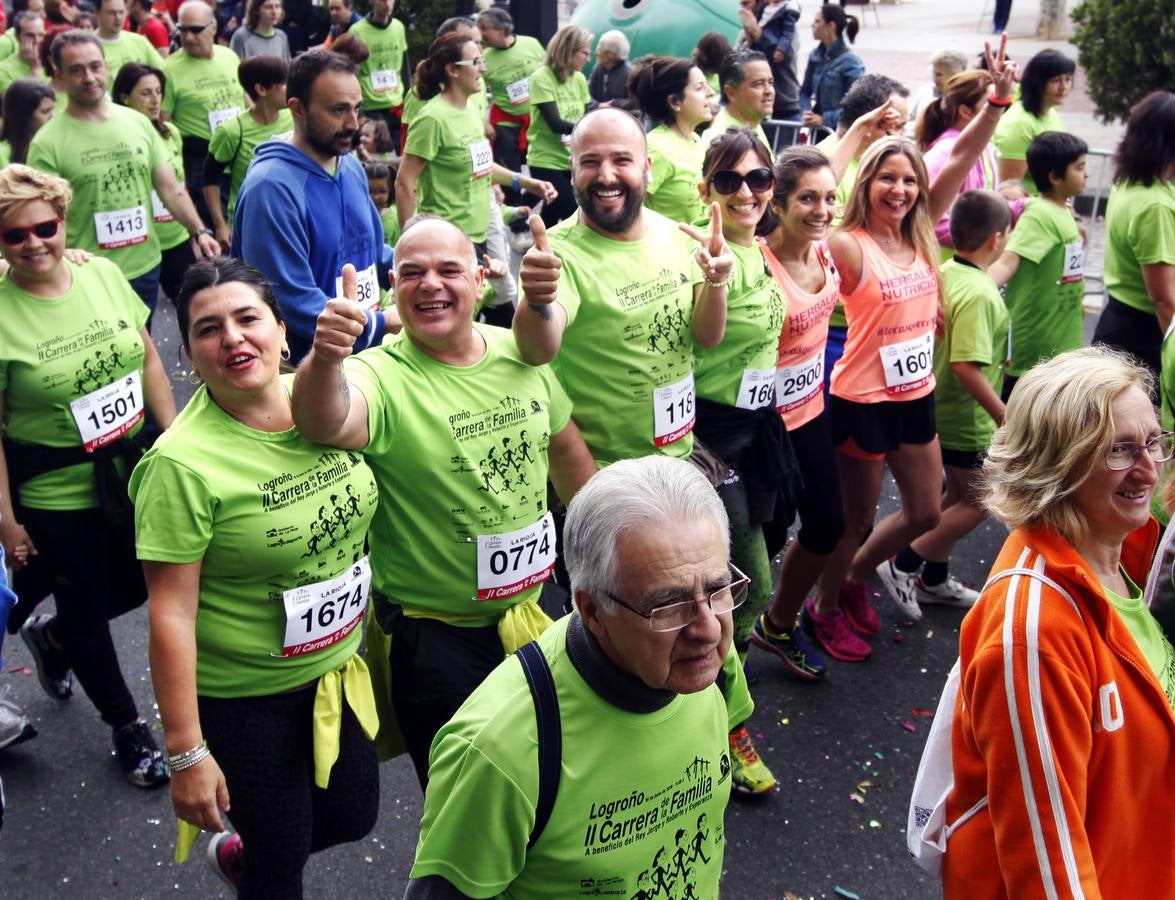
(558, 99)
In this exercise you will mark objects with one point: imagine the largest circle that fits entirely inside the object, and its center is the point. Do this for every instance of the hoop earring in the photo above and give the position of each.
(285, 354)
(194, 379)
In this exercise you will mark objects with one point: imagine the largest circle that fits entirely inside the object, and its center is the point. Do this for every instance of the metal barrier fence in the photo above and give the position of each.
(783, 133)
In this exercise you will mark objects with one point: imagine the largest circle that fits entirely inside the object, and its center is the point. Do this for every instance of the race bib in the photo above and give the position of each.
(121, 228)
(158, 211)
(757, 389)
(218, 117)
(384, 80)
(322, 614)
(366, 288)
(483, 158)
(108, 413)
(673, 411)
(1073, 267)
(908, 364)
(797, 384)
(519, 91)
(509, 563)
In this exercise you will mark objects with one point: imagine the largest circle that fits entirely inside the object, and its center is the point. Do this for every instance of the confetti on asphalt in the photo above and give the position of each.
(898, 637)
(908, 725)
(873, 823)
(879, 754)
(785, 721)
(23, 670)
(846, 893)
(930, 634)
(926, 713)
(856, 798)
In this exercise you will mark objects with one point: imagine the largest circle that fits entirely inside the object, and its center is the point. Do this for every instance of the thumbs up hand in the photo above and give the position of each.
(539, 273)
(341, 321)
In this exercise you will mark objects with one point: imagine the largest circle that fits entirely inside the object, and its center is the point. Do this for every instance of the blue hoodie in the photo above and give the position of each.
(299, 226)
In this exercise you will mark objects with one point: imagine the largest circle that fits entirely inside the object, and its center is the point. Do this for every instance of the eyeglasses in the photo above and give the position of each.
(477, 62)
(44, 230)
(192, 29)
(675, 616)
(726, 181)
(1125, 454)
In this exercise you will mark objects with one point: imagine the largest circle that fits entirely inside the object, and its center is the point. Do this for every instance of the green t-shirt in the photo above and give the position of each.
(381, 75)
(413, 105)
(1147, 633)
(460, 453)
(8, 43)
(13, 68)
(508, 72)
(129, 47)
(54, 352)
(544, 148)
(391, 221)
(109, 165)
(1015, 131)
(649, 827)
(455, 183)
(1167, 381)
(976, 332)
(627, 357)
(740, 370)
(1140, 231)
(170, 230)
(677, 170)
(724, 121)
(265, 513)
(202, 94)
(1045, 295)
(5, 153)
(235, 142)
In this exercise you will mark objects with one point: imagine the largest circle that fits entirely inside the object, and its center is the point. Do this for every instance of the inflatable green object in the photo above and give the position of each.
(662, 27)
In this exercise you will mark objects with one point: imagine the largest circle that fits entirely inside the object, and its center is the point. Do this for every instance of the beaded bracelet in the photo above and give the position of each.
(188, 758)
(717, 284)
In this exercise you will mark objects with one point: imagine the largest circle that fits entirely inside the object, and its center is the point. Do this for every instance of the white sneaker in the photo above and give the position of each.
(900, 586)
(951, 592)
(14, 727)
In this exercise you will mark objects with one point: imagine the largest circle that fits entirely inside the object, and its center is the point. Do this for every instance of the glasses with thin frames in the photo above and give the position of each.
(727, 181)
(675, 616)
(1124, 454)
(44, 230)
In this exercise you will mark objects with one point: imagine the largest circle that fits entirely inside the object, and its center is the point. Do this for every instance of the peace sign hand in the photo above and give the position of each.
(713, 255)
(1003, 71)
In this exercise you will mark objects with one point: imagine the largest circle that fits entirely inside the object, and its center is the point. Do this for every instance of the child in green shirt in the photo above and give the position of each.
(969, 363)
(1043, 265)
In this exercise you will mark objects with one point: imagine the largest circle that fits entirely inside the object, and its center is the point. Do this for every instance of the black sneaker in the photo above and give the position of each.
(52, 666)
(139, 756)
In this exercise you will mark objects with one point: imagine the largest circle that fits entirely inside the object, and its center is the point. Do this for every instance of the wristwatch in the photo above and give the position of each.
(205, 230)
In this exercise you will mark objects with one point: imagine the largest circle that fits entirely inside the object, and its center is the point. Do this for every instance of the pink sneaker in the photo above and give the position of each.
(857, 609)
(834, 634)
(225, 855)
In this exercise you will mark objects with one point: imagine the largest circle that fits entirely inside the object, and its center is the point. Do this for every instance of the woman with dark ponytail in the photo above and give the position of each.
(447, 154)
(832, 66)
(674, 94)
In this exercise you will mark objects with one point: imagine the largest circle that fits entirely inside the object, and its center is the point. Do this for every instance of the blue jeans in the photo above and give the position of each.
(147, 287)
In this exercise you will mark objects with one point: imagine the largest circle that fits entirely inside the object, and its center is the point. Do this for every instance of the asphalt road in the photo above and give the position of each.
(75, 828)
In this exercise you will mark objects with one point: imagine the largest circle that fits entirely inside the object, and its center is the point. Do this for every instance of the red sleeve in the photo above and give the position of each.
(155, 31)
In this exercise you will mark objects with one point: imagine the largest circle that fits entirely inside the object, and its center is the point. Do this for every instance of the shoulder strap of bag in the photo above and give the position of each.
(550, 733)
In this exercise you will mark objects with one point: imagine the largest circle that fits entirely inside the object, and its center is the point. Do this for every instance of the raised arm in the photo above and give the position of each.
(539, 321)
(326, 410)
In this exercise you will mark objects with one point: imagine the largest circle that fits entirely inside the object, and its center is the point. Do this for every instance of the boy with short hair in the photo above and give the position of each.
(969, 364)
(1044, 262)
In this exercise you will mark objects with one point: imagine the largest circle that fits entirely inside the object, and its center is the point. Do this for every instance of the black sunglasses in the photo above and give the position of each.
(44, 230)
(192, 29)
(726, 181)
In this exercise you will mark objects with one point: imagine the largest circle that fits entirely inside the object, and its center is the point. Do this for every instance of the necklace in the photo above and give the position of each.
(885, 242)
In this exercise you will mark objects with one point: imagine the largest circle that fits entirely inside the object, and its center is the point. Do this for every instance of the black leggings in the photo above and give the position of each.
(822, 518)
(1132, 330)
(564, 205)
(175, 263)
(95, 577)
(265, 747)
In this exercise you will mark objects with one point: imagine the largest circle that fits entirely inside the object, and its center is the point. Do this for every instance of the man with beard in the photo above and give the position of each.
(303, 211)
(608, 300)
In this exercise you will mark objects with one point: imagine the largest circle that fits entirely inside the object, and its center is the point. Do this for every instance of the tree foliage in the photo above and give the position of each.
(1127, 49)
(421, 18)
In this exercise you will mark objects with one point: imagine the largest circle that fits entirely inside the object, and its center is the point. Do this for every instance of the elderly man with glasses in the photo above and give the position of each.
(599, 759)
(202, 91)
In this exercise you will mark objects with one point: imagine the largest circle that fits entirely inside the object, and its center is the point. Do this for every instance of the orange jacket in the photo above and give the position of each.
(1063, 742)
